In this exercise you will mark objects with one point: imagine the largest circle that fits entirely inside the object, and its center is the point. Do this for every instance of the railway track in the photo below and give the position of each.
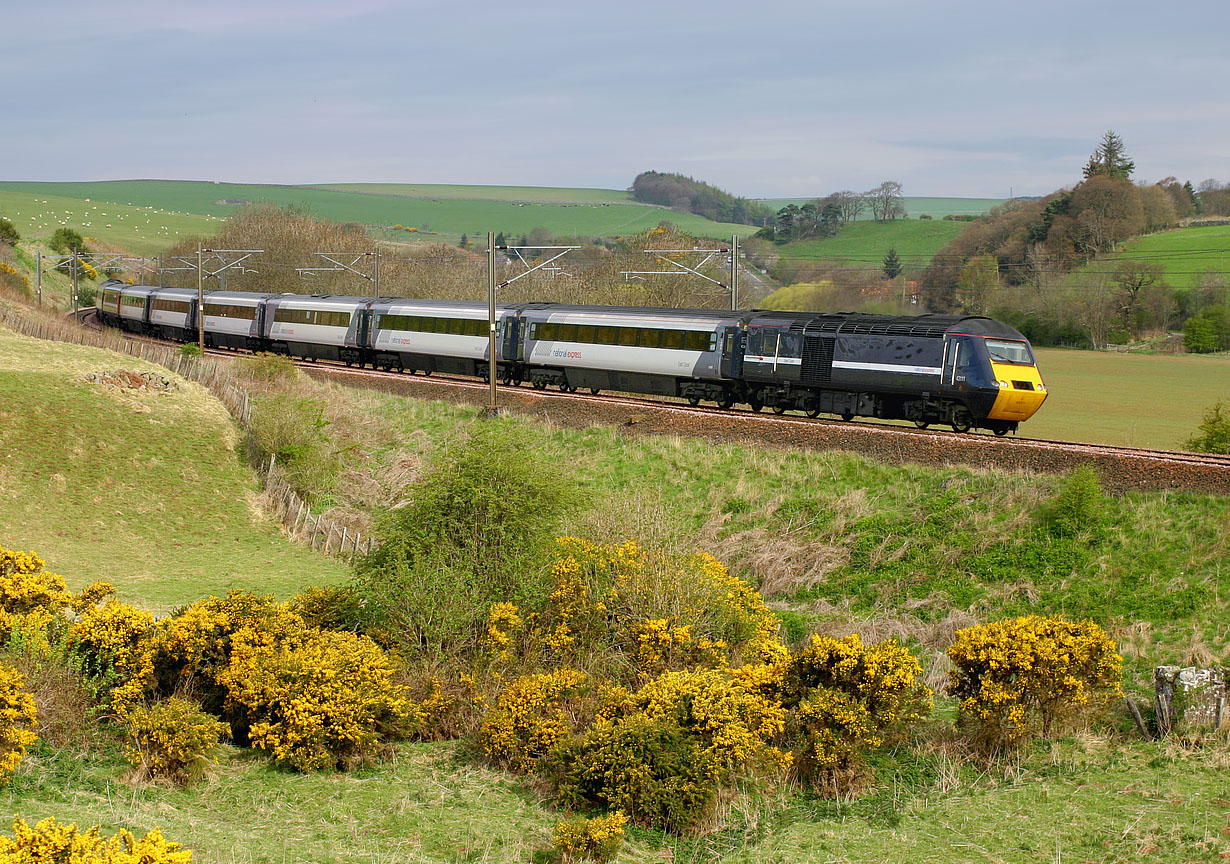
(1121, 468)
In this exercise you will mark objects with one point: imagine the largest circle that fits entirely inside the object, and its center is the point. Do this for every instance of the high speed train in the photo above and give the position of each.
(963, 371)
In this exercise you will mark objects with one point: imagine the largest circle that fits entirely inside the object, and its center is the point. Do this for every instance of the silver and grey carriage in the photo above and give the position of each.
(451, 337)
(133, 307)
(173, 313)
(234, 319)
(107, 301)
(672, 352)
(317, 326)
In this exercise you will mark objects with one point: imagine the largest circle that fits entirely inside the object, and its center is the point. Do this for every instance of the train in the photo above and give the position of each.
(964, 371)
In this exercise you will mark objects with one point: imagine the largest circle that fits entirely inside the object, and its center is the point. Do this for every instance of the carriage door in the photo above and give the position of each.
(958, 352)
(733, 341)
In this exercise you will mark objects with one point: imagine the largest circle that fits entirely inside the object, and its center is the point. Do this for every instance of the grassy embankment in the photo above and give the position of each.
(841, 544)
(144, 491)
(441, 213)
(864, 244)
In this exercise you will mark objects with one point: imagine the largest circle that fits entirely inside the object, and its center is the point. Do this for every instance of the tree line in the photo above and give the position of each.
(693, 196)
(824, 217)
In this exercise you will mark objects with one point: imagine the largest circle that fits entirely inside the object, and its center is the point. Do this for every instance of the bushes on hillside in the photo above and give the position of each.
(1214, 434)
(18, 716)
(171, 740)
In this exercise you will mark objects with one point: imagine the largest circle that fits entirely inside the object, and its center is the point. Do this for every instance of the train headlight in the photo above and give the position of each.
(1003, 385)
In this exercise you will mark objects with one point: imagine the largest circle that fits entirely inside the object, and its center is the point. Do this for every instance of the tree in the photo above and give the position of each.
(1133, 279)
(1104, 211)
(1110, 160)
(8, 234)
(979, 278)
(1214, 434)
(886, 201)
(465, 241)
(66, 240)
(892, 265)
(851, 204)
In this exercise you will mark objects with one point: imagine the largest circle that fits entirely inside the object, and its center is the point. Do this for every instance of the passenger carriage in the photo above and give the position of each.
(316, 326)
(234, 319)
(173, 313)
(440, 336)
(672, 352)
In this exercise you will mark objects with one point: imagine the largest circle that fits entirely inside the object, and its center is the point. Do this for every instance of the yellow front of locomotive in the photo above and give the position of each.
(1021, 388)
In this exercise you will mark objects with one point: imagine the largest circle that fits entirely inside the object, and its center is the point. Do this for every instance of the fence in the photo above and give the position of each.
(290, 509)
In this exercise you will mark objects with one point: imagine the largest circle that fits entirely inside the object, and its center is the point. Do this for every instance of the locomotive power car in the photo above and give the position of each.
(964, 371)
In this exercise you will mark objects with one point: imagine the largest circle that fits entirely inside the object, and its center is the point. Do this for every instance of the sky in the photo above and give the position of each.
(763, 99)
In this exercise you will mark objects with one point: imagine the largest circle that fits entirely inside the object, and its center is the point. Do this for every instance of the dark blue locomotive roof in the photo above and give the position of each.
(931, 326)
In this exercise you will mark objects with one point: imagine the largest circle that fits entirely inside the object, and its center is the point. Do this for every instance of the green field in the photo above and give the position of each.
(446, 213)
(144, 491)
(1184, 254)
(1131, 400)
(936, 208)
(527, 194)
(138, 228)
(866, 243)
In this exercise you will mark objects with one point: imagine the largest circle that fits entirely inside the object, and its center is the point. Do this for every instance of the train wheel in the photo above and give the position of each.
(693, 401)
(539, 384)
(779, 409)
(962, 421)
(595, 390)
(813, 412)
(755, 404)
(1000, 431)
(848, 416)
(725, 402)
(922, 424)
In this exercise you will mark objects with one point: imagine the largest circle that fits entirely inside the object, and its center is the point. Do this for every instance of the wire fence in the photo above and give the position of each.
(281, 500)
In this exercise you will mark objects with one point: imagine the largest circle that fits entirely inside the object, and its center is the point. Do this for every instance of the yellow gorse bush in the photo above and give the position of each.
(17, 717)
(25, 585)
(1023, 676)
(596, 839)
(662, 612)
(112, 638)
(171, 740)
(530, 717)
(52, 842)
(734, 726)
(316, 699)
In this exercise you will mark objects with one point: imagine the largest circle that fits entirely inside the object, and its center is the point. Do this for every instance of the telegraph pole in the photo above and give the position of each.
(38, 269)
(734, 272)
(76, 280)
(200, 303)
(491, 363)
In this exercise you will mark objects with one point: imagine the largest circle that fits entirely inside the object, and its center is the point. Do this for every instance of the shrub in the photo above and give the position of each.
(596, 839)
(1080, 506)
(66, 240)
(531, 716)
(192, 648)
(846, 698)
(478, 530)
(315, 699)
(659, 612)
(109, 639)
(52, 842)
(292, 429)
(267, 368)
(17, 716)
(172, 740)
(1021, 677)
(65, 699)
(8, 234)
(1214, 434)
(327, 608)
(25, 585)
(649, 768)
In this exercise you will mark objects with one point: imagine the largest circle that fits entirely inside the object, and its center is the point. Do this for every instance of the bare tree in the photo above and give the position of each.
(851, 204)
(886, 201)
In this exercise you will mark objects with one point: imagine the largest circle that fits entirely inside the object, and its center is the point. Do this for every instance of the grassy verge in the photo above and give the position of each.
(142, 489)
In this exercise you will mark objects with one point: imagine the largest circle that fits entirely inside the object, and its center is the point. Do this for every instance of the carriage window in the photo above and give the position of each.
(585, 333)
(694, 340)
(627, 335)
(606, 335)
(648, 338)
(672, 339)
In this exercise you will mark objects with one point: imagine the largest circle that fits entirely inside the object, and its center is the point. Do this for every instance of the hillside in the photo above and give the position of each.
(135, 487)
(1186, 256)
(838, 543)
(862, 245)
(435, 212)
